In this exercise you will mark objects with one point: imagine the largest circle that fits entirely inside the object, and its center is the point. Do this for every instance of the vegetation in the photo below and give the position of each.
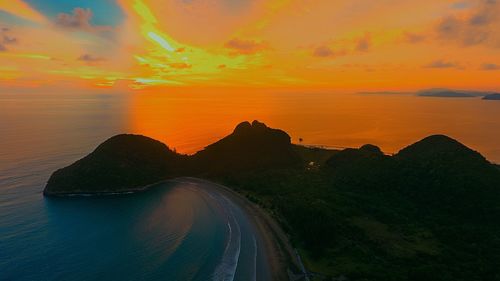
(130, 162)
(250, 146)
(430, 212)
(121, 163)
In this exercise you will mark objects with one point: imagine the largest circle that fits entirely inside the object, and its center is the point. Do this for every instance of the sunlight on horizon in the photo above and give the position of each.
(321, 45)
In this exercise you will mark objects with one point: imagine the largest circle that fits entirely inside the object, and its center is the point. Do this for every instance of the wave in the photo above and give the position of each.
(226, 269)
(254, 277)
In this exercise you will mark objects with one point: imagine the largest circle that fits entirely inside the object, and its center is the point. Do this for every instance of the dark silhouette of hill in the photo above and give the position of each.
(436, 170)
(438, 156)
(121, 163)
(441, 172)
(250, 146)
(429, 212)
(350, 157)
(130, 162)
(364, 166)
(495, 96)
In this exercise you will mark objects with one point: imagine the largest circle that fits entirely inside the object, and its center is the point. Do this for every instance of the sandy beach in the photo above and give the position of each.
(281, 255)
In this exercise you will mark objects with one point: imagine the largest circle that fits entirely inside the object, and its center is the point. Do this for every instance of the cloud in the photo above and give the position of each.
(490, 66)
(90, 59)
(6, 39)
(21, 9)
(460, 5)
(478, 25)
(323, 52)
(364, 43)
(413, 38)
(486, 14)
(245, 47)
(179, 65)
(9, 40)
(440, 64)
(326, 52)
(79, 20)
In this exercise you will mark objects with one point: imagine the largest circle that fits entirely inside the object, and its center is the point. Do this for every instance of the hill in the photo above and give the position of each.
(250, 146)
(121, 163)
(429, 212)
(131, 162)
(439, 164)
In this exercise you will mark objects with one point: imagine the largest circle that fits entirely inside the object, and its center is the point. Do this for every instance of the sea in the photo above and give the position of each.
(179, 230)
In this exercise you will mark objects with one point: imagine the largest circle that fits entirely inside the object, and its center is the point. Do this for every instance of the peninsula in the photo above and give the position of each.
(428, 212)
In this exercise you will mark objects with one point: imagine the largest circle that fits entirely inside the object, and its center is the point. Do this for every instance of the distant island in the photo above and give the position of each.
(428, 212)
(441, 93)
(447, 93)
(495, 96)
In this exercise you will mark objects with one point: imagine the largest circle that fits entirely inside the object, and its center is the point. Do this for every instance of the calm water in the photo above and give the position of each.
(177, 230)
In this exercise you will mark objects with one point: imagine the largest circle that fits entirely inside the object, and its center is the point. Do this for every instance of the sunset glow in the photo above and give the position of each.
(353, 45)
(250, 140)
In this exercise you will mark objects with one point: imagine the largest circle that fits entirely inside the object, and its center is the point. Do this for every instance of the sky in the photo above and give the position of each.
(312, 44)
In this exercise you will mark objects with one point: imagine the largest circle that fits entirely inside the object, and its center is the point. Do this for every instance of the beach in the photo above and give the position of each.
(276, 245)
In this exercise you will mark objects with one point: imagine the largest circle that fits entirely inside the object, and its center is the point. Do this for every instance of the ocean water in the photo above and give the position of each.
(179, 231)
(176, 231)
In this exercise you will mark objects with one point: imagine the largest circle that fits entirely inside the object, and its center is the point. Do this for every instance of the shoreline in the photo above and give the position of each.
(104, 193)
(282, 257)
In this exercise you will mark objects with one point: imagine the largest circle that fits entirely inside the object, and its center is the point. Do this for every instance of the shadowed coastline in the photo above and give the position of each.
(428, 212)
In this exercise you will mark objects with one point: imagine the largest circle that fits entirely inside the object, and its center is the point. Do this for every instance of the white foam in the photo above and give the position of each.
(226, 269)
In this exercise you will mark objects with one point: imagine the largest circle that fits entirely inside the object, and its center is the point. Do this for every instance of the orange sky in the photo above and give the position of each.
(314, 44)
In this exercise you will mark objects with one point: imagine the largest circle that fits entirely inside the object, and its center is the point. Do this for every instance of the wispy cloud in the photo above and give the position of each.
(23, 10)
(326, 52)
(460, 5)
(90, 59)
(413, 38)
(9, 40)
(323, 52)
(6, 39)
(245, 47)
(364, 44)
(478, 26)
(179, 65)
(441, 64)
(490, 66)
